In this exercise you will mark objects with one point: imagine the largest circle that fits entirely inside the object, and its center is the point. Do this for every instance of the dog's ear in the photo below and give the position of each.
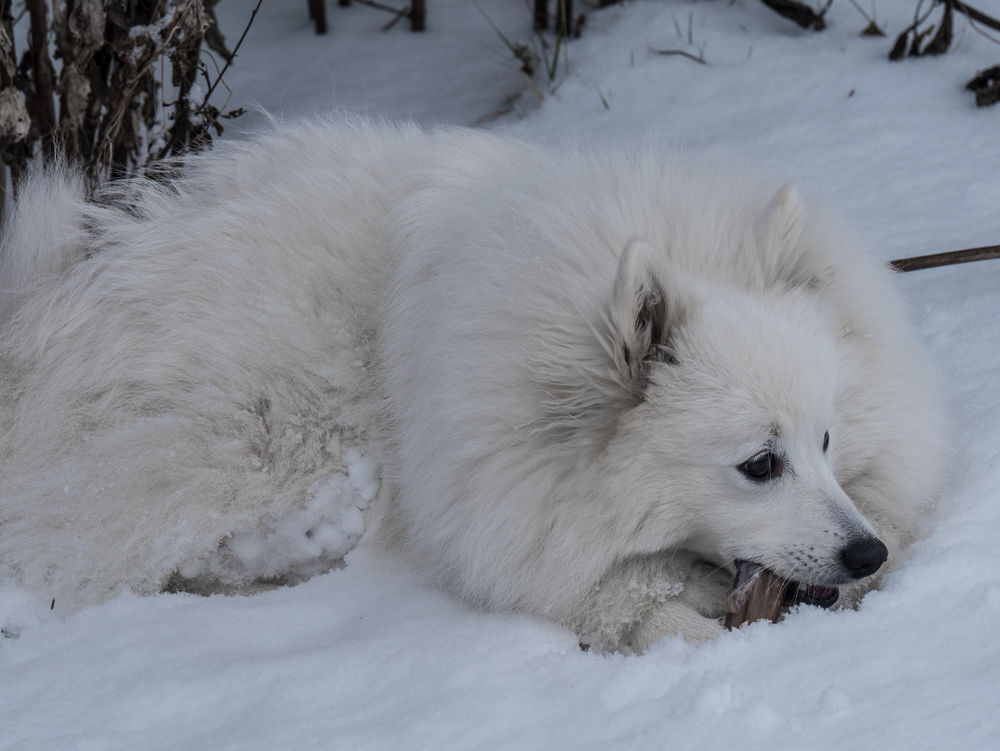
(643, 312)
(780, 226)
(778, 234)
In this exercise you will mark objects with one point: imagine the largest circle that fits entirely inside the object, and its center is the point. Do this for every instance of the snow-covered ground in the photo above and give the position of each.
(375, 657)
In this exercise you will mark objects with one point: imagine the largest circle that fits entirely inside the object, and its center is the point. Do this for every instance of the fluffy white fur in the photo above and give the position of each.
(559, 357)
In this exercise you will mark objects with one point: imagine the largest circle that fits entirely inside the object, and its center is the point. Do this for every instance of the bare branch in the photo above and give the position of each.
(232, 56)
(952, 257)
(682, 53)
(976, 15)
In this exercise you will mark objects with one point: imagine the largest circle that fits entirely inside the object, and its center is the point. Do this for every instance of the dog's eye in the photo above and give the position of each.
(762, 467)
(826, 441)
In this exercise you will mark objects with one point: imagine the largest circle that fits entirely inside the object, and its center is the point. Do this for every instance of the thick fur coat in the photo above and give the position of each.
(571, 366)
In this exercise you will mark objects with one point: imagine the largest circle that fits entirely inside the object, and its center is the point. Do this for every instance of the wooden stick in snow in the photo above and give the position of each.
(916, 263)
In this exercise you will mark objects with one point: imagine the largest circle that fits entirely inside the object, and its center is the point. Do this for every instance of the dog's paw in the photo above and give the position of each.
(707, 588)
(669, 619)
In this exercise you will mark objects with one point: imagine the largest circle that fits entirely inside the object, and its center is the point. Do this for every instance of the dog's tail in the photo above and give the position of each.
(46, 231)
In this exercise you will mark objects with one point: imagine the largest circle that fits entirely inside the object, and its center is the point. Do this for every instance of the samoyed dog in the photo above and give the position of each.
(581, 383)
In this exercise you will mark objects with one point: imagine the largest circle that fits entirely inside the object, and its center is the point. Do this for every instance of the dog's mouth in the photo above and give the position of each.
(760, 594)
(811, 594)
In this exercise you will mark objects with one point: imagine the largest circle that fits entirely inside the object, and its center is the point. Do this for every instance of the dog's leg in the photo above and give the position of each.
(645, 598)
(669, 618)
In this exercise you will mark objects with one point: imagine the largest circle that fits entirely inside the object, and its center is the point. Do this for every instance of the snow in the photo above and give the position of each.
(305, 542)
(376, 657)
(457, 72)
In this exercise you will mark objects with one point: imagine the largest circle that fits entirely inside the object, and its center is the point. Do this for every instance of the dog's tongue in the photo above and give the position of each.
(760, 594)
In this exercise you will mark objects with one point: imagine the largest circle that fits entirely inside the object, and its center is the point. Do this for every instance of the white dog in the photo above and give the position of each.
(593, 382)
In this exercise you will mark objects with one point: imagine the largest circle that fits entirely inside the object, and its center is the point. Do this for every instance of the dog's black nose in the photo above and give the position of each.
(863, 557)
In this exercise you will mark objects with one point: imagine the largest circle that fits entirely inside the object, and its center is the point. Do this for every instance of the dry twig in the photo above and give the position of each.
(697, 58)
(950, 258)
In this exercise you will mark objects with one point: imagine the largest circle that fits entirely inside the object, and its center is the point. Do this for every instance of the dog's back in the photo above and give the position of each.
(182, 358)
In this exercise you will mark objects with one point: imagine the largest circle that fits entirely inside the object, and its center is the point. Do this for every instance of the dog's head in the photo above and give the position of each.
(732, 437)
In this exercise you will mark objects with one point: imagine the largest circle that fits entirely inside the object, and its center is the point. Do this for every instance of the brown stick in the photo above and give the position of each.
(762, 601)
(952, 257)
